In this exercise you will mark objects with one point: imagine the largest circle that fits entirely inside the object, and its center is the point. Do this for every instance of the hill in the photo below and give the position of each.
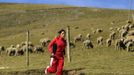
(16, 19)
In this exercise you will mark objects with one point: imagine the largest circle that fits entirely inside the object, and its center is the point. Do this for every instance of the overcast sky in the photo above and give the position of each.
(118, 4)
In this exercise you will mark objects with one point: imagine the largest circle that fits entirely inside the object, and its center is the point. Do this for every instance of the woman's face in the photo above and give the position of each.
(62, 34)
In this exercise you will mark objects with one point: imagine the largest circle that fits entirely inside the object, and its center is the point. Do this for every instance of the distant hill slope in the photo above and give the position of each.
(17, 18)
(21, 6)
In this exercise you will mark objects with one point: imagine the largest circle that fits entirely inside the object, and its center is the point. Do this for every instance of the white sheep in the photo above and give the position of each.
(78, 38)
(108, 42)
(88, 44)
(100, 40)
(45, 41)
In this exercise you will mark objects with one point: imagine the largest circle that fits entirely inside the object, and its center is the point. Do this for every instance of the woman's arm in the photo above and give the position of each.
(50, 46)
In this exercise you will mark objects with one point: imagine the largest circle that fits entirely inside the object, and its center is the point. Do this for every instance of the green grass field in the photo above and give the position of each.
(16, 19)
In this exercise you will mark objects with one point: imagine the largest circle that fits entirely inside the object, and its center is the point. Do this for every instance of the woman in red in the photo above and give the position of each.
(57, 61)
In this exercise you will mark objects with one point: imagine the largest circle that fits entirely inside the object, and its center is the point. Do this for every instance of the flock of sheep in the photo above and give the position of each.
(122, 37)
(124, 41)
(20, 49)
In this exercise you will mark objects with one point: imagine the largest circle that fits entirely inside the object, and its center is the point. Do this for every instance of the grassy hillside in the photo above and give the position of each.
(16, 19)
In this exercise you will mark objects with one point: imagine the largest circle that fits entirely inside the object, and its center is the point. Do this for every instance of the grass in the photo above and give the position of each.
(16, 19)
(92, 61)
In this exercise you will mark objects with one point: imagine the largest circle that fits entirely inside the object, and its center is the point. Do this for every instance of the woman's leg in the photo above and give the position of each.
(60, 67)
(53, 67)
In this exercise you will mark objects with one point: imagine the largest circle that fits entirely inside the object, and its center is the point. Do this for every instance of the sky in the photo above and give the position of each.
(116, 4)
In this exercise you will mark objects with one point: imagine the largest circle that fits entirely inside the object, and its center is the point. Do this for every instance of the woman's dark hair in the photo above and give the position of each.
(62, 30)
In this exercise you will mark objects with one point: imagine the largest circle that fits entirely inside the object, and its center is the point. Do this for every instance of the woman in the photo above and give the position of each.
(57, 60)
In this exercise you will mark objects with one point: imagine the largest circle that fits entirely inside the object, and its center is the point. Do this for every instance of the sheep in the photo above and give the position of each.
(124, 33)
(127, 40)
(30, 44)
(88, 36)
(131, 26)
(100, 40)
(44, 42)
(19, 50)
(1, 49)
(38, 49)
(24, 46)
(88, 44)
(11, 50)
(126, 27)
(131, 33)
(119, 44)
(111, 28)
(30, 48)
(72, 45)
(78, 38)
(118, 29)
(108, 42)
(129, 45)
(129, 21)
(112, 35)
(25, 43)
(99, 30)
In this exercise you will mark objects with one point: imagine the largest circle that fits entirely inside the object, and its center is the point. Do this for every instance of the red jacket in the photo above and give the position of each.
(61, 44)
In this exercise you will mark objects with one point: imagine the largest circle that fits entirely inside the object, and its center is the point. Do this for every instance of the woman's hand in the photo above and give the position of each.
(52, 55)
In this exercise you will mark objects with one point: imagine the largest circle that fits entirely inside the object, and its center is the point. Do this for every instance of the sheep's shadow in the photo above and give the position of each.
(73, 71)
